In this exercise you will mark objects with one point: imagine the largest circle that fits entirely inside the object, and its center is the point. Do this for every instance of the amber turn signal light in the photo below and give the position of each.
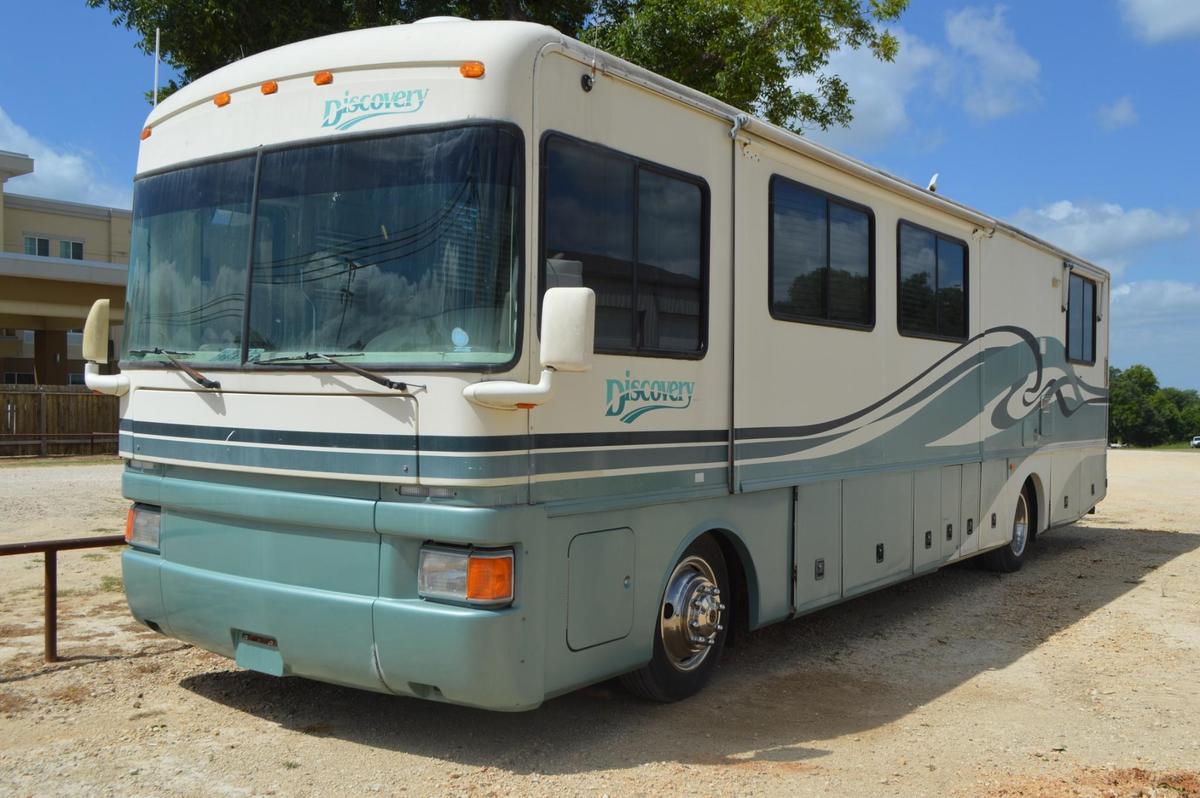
(471, 69)
(490, 578)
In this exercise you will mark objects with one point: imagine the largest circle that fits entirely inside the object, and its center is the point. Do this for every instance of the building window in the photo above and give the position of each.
(1081, 320)
(822, 264)
(72, 250)
(932, 296)
(37, 246)
(18, 378)
(637, 235)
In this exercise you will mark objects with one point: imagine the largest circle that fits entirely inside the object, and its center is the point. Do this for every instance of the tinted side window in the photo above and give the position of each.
(635, 235)
(821, 259)
(589, 233)
(932, 294)
(1081, 320)
(670, 240)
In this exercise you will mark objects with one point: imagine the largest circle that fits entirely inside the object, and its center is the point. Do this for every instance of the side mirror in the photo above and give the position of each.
(568, 328)
(95, 333)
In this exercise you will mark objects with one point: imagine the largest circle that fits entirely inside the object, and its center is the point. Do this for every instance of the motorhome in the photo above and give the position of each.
(465, 361)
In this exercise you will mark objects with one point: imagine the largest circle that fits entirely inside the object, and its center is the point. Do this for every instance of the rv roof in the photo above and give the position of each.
(501, 43)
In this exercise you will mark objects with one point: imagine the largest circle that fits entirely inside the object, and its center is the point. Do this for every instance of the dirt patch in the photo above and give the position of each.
(1106, 783)
(12, 703)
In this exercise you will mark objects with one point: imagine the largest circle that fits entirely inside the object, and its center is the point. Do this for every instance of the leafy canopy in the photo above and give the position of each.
(747, 53)
(1142, 413)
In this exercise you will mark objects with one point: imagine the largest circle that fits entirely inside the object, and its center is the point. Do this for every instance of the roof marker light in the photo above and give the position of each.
(471, 69)
(222, 99)
(269, 87)
(323, 78)
(145, 133)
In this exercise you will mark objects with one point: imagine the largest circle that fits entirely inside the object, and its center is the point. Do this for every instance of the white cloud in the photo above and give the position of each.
(58, 172)
(1119, 114)
(881, 92)
(1000, 76)
(1157, 323)
(1156, 21)
(1102, 232)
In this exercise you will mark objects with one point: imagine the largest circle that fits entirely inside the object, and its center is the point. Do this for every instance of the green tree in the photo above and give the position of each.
(748, 54)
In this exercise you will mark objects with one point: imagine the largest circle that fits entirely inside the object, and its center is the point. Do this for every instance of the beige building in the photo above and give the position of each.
(56, 258)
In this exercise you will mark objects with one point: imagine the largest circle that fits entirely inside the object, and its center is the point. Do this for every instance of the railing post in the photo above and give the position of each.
(51, 597)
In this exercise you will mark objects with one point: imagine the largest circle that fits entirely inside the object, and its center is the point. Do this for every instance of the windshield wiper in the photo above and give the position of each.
(335, 360)
(170, 356)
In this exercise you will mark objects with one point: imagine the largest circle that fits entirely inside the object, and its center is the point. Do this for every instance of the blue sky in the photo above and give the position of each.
(1075, 119)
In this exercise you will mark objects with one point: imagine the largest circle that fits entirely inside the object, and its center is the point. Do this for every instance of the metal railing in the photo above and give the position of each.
(51, 548)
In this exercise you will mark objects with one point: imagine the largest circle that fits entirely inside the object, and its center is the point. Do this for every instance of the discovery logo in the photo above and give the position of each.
(345, 113)
(631, 399)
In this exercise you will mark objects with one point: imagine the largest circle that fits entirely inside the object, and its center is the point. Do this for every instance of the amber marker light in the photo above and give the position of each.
(490, 578)
(269, 87)
(145, 133)
(323, 78)
(222, 99)
(129, 526)
(471, 69)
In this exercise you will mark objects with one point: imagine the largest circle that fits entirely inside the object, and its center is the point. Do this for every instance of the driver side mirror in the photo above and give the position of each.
(95, 333)
(568, 328)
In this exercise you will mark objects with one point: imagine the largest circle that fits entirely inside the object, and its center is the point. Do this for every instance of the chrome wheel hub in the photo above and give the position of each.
(691, 613)
(1020, 535)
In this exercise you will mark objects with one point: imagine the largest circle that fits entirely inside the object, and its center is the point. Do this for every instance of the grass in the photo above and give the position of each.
(1179, 445)
(111, 584)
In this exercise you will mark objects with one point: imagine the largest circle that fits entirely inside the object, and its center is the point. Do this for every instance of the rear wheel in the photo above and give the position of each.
(690, 632)
(1010, 558)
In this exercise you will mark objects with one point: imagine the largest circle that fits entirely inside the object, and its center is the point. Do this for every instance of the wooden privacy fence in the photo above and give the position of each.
(49, 420)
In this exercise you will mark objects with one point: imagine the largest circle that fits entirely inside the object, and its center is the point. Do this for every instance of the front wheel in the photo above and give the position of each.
(1010, 558)
(690, 632)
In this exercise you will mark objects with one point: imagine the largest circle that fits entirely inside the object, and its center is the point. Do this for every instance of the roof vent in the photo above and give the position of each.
(440, 19)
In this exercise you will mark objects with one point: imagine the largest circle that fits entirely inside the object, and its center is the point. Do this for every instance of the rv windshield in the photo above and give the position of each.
(403, 248)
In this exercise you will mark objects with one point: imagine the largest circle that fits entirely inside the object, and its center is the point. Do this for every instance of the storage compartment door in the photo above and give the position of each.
(877, 531)
(927, 517)
(818, 544)
(950, 532)
(600, 587)
(970, 509)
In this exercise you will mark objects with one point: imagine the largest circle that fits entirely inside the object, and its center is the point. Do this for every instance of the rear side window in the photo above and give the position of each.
(932, 295)
(822, 265)
(637, 235)
(1081, 320)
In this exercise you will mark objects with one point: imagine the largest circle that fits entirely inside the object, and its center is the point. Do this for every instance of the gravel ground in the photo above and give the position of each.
(1076, 676)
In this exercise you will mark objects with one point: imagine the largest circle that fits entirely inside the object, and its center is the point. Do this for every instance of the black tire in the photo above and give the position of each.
(1009, 559)
(665, 678)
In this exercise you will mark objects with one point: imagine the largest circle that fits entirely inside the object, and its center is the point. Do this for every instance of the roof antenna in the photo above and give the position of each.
(156, 42)
(932, 183)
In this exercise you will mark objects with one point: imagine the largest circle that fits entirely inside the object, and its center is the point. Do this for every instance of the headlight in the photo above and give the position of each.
(483, 577)
(142, 526)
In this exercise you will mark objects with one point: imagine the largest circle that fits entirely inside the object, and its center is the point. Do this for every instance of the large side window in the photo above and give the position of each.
(932, 292)
(635, 234)
(822, 265)
(1081, 320)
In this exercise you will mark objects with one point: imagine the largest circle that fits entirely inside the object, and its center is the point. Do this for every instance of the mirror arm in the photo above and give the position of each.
(113, 384)
(511, 395)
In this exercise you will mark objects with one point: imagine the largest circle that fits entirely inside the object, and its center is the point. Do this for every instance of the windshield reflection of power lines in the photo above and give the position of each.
(225, 306)
(323, 264)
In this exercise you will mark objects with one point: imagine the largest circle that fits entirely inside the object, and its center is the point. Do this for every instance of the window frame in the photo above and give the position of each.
(36, 240)
(966, 336)
(71, 243)
(705, 239)
(1095, 284)
(871, 272)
